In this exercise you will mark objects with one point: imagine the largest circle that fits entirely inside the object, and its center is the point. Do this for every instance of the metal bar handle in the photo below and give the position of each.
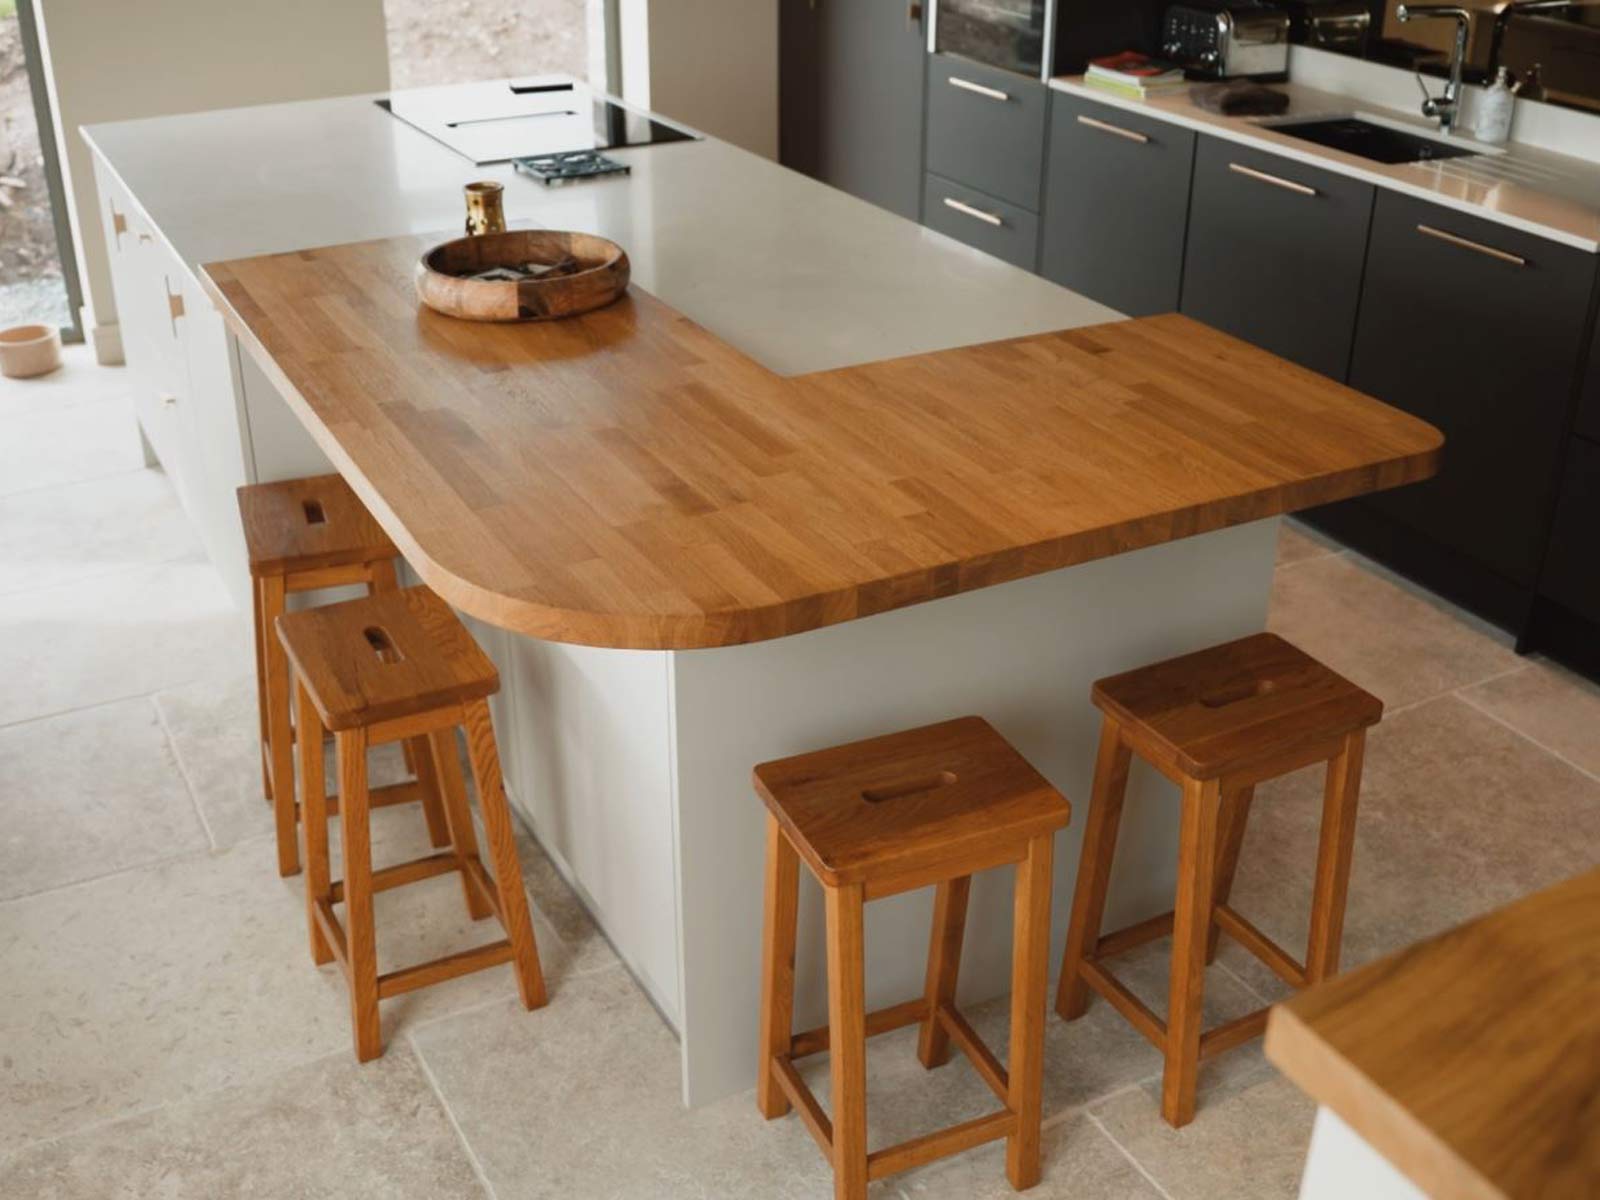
(978, 213)
(1515, 260)
(1287, 185)
(978, 88)
(1117, 130)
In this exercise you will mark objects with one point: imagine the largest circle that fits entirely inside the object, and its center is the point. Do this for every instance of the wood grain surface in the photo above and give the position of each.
(443, 283)
(627, 479)
(1470, 1061)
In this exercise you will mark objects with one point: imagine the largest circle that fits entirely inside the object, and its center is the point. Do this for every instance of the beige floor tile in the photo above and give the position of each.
(213, 726)
(1555, 708)
(59, 535)
(88, 793)
(126, 634)
(79, 380)
(161, 982)
(328, 1128)
(1458, 815)
(582, 1099)
(1297, 543)
(45, 444)
(1387, 639)
(1247, 1142)
(1080, 1163)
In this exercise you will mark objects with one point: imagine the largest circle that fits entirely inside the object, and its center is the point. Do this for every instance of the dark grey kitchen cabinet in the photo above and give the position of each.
(1588, 422)
(1478, 329)
(986, 129)
(1004, 230)
(1571, 574)
(1274, 253)
(851, 86)
(1116, 205)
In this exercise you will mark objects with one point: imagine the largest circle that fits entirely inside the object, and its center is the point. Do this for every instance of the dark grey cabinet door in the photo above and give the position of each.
(1478, 329)
(1572, 569)
(1589, 399)
(986, 129)
(1116, 205)
(1274, 253)
(851, 86)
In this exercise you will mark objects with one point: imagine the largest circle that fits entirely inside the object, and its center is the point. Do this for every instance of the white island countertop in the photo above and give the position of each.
(796, 274)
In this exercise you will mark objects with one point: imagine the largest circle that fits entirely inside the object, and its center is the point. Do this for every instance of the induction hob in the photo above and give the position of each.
(521, 118)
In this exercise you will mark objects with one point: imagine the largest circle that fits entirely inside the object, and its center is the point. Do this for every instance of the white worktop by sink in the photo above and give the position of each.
(796, 274)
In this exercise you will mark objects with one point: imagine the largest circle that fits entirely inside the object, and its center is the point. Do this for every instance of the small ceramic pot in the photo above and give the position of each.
(27, 350)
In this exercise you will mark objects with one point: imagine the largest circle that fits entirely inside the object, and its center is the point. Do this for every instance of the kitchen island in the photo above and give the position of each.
(824, 474)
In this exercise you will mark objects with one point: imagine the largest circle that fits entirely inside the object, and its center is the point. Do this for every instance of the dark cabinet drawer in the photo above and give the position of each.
(968, 215)
(986, 129)
(1478, 329)
(1274, 253)
(1589, 401)
(1116, 205)
(1572, 569)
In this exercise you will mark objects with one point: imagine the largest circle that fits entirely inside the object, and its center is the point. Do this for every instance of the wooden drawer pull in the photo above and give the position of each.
(978, 89)
(1117, 130)
(119, 224)
(976, 213)
(1287, 185)
(174, 304)
(1515, 260)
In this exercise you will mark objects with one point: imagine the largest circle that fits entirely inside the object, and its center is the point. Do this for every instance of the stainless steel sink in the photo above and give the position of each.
(1370, 140)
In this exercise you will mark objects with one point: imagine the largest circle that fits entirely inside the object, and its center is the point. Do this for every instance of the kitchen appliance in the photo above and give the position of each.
(1011, 34)
(525, 118)
(1227, 39)
(1340, 25)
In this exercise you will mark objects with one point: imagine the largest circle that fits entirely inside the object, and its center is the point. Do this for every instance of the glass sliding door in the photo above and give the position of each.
(38, 274)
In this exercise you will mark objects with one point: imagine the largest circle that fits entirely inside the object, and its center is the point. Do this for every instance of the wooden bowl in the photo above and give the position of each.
(27, 350)
(597, 275)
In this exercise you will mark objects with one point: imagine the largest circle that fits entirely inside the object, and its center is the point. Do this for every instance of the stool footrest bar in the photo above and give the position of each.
(334, 932)
(1235, 1033)
(1125, 1002)
(463, 962)
(1268, 951)
(1127, 939)
(941, 1144)
(967, 1040)
(804, 1103)
(382, 797)
(815, 1041)
(401, 874)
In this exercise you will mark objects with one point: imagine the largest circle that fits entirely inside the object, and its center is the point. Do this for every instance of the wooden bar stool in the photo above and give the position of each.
(399, 666)
(1216, 723)
(301, 535)
(871, 819)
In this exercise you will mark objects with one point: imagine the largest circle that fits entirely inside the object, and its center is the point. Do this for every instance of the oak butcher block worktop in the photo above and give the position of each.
(627, 479)
(1470, 1061)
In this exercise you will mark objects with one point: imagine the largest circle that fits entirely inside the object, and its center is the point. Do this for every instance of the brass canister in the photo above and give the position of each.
(485, 212)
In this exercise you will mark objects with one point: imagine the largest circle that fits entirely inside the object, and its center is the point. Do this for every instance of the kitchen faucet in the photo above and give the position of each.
(1448, 106)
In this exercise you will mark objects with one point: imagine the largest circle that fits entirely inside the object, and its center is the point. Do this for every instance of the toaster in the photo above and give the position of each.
(1218, 39)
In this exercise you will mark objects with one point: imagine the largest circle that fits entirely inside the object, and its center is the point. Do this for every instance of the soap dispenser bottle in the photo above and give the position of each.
(1495, 110)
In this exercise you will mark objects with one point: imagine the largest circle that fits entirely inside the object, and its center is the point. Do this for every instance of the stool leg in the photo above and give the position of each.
(944, 966)
(847, 1039)
(1231, 822)
(257, 600)
(314, 820)
(280, 734)
(1334, 852)
(503, 846)
(435, 805)
(361, 936)
(436, 759)
(1030, 980)
(1094, 868)
(781, 907)
(1191, 920)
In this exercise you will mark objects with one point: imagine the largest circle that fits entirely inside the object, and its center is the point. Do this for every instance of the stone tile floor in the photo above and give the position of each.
(162, 1031)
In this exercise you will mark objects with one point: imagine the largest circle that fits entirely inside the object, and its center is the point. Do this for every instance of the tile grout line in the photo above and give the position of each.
(107, 703)
(1527, 737)
(166, 860)
(78, 482)
(449, 1115)
(183, 772)
(103, 575)
(1128, 1154)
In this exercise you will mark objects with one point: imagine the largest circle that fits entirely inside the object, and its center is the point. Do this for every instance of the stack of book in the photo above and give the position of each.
(1134, 75)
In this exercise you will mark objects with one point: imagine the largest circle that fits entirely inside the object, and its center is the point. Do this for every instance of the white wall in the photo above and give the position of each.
(106, 60)
(712, 64)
